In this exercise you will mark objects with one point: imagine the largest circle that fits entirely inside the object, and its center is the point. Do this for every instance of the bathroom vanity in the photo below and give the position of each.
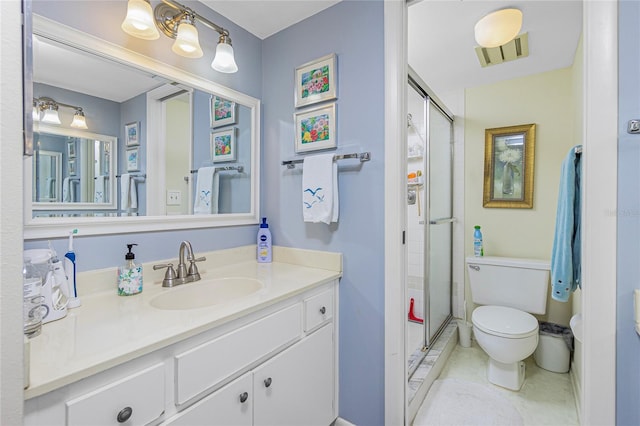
(264, 355)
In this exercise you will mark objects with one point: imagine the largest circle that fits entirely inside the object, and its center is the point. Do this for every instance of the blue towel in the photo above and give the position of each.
(565, 258)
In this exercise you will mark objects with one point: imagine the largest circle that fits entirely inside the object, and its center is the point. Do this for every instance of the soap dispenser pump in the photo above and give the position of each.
(129, 275)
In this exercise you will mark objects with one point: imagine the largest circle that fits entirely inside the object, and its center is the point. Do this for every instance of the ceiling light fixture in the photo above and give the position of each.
(49, 108)
(498, 28)
(179, 22)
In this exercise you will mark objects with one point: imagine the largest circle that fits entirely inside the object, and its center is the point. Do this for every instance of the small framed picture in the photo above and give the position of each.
(223, 112)
(223, 145)
(133, 160)
(71, 166)
(132, 134)
(316, 128)
(316, 81)
(71, 149)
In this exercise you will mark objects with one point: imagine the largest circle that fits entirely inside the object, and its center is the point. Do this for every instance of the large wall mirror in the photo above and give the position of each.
(147, 131)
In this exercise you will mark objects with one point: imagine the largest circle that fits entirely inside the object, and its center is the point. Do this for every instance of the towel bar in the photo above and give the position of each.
(363, 156)
(240, 169)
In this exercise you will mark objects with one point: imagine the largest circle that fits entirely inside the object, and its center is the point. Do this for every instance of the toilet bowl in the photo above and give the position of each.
(508, 336)
(509, 291)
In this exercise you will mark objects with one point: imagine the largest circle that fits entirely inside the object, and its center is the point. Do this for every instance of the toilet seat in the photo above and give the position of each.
(504, 322)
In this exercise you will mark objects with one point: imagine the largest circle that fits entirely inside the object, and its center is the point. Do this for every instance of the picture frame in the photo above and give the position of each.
(132, 134)
(133, 160)
(71, 167)
(223, 145)
(71, 149)
(316, 81)
(315, 128)
(222, 111)
(508, 166)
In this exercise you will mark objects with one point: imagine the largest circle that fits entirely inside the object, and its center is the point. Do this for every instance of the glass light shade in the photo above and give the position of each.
(51, 115)
(187, 43)
(79, 122)
(498, 28)
(139, 20)
(224, 61)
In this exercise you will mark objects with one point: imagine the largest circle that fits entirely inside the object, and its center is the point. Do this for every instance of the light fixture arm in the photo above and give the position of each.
(167, 21)
(44, 101)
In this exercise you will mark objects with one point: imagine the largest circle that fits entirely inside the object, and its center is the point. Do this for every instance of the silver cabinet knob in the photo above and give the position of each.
(323, 310)
(243, 397)
(267, 382)
(124, 414)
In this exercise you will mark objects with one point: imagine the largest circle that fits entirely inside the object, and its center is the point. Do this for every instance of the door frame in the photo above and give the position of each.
(600, 110)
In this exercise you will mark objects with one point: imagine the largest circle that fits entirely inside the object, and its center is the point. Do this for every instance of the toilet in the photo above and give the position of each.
(508, 291)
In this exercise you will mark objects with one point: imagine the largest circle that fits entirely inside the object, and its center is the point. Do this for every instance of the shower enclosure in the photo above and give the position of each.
(429, 220)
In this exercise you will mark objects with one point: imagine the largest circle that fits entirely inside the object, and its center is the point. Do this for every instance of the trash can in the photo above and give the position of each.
(464, 332)
(554, 348)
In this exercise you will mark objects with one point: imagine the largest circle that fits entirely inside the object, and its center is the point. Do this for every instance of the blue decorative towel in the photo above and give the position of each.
(565, 258)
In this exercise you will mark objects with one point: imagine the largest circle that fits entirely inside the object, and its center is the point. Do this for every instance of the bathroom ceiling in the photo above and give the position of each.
(441, 43)
(264, 18)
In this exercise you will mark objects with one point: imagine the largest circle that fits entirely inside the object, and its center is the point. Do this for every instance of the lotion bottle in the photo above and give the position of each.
(129, 275)
(264, 242)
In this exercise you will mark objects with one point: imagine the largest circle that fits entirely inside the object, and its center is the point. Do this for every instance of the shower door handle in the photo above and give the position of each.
(442, 220)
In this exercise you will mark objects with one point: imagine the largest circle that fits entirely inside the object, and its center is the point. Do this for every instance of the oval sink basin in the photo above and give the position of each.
(200, 294)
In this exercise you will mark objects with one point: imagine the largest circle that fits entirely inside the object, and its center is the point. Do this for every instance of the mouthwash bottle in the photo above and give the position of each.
(478, 250)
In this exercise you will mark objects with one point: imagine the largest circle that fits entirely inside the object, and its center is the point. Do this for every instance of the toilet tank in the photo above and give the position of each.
(517, 283)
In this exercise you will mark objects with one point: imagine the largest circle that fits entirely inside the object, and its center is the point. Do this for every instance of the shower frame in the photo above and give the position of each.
(416, 83)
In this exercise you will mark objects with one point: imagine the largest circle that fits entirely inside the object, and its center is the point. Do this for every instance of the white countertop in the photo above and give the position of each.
(108, 329)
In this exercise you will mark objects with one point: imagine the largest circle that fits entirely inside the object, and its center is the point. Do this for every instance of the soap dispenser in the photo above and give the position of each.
(129, 275)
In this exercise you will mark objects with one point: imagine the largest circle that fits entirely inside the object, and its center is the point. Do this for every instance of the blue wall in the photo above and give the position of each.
(628, 271)
(353, 30)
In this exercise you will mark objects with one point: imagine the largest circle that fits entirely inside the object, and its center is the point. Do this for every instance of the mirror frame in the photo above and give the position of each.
(58, 227)
(99, 207)
(524, 173)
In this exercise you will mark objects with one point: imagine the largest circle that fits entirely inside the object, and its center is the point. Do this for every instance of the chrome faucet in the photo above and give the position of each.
(184, 275)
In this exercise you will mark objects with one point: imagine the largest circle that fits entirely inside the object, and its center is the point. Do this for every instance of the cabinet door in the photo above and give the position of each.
(229, 406)
(297, 386)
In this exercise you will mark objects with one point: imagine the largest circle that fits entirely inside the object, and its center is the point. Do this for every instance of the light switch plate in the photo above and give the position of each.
(174, 198)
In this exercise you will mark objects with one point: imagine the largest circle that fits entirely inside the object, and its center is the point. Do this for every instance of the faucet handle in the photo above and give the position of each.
(169, 276)
(193, 269)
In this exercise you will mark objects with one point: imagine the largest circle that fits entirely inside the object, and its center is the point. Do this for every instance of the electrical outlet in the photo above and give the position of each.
(174, 198)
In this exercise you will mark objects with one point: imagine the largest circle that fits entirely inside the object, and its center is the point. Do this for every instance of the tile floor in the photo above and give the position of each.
(546, 398)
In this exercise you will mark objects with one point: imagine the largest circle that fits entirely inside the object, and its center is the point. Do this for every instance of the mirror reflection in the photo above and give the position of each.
(72, 170)
(165, 147)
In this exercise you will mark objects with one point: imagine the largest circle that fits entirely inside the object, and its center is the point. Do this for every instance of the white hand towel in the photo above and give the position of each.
(320, 201)
(98, 190)
(207, 189)
(125, 186)
(67, 190)
(133, 193)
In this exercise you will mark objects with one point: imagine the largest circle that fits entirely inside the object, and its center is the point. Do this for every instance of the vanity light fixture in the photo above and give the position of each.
(498, 28)
(187, 43)
(139, 20)
(49, 109)
(179, 22)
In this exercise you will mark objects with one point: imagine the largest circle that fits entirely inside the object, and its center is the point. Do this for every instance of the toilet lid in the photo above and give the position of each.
(505, 322)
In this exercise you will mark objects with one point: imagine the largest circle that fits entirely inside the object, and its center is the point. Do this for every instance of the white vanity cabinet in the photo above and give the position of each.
(274, 366)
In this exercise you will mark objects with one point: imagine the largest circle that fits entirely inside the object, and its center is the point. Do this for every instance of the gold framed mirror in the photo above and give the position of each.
(508, 166)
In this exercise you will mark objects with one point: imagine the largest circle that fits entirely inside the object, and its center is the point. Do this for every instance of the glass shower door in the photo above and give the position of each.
(439, 232)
